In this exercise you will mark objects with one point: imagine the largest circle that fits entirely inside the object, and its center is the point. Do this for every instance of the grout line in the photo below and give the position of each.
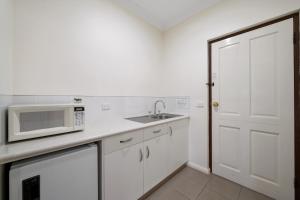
(204, 187)
(195, 183)
(182, 194)
(240, 193)
(211, 190)
(174, 187)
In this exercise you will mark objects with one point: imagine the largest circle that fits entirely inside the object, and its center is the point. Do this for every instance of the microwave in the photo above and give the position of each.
(33, 121)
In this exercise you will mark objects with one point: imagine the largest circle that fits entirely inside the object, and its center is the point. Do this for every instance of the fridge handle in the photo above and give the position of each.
(31, 188)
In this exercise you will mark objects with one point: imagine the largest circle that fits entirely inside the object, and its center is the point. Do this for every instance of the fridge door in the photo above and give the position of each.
(69, 175)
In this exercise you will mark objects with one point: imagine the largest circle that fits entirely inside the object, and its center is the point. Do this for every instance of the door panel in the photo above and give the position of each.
(253, 126)
(227, 137)
(263, 76)
(124, 174)
(229, 147)
(155, 163)
(229, 90)
(177, 144)
(264, 145)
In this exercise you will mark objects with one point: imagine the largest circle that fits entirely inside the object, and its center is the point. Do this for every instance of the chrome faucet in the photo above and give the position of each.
(155, 105)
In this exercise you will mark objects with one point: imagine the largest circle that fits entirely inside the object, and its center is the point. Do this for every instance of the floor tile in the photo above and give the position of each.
(194, 175)
(224, 187)
(187, 187)
(168, 194)
(190, 184)
(163, 189)
(173, 195)
(247, 194)
(209, 195)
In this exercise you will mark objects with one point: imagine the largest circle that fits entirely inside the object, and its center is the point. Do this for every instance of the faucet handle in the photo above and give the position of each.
(149, 113)
(158, 111)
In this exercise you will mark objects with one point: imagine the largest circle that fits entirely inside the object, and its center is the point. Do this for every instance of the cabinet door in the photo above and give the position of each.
(155, 163)
(177, 144)
(123, 174)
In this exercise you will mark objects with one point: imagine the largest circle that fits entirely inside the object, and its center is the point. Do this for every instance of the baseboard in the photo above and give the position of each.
(198, 168)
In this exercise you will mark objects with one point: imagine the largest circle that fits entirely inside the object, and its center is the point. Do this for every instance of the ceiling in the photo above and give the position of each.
(166, 13)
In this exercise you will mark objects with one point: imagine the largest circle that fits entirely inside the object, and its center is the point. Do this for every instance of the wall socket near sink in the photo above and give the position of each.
(181, 103)
(105, 107)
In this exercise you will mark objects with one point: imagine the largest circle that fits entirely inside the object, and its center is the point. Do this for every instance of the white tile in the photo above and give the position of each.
(5, 100)
(53, 99)
(23, 99)
(135, 106)
(93, 111)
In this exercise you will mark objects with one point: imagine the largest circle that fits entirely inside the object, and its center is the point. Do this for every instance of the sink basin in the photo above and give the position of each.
(164, 116)
(152, 118)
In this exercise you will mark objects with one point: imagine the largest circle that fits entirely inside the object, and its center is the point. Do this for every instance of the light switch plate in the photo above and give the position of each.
(199, 104)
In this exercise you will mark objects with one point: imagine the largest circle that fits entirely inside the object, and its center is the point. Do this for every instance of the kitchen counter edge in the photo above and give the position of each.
(16, 151)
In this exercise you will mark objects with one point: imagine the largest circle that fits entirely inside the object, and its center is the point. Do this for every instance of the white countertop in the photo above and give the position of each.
(26, 149)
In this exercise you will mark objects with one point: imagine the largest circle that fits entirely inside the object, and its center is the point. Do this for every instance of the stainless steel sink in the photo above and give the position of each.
(152, 118)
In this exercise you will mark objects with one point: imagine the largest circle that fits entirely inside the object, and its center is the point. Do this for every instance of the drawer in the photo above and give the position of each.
(179, 123)
(155, 131)
(117, 142)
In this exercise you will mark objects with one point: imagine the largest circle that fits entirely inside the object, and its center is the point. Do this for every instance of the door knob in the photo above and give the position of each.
(215, 104)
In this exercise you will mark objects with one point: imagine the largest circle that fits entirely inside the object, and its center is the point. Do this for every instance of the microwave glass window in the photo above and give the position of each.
(31, 121)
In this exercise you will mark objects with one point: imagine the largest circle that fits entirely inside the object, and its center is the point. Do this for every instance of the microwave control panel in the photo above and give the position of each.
(79, 118)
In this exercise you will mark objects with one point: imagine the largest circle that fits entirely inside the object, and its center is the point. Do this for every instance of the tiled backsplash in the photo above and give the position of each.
(98, 108)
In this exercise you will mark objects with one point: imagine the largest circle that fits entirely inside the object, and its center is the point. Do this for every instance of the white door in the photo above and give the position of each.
(253, 125)
(155, 163)
(177, 145)
(124, 174)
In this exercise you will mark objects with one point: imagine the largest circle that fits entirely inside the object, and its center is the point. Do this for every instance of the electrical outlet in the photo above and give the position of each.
(181, 102)
(105, 107)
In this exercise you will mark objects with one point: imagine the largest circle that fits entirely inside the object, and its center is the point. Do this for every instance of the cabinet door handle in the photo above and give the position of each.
(148, 152)
(141, 155)
(157, 131)
(171, 130)
(125, 141)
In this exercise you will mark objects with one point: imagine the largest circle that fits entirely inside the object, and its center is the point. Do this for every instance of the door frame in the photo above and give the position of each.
(295, 17)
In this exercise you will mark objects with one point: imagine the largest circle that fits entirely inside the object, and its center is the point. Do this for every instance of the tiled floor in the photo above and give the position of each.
(190, 184)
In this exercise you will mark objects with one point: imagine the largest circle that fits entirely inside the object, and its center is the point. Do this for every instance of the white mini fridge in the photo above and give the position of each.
(67, 175)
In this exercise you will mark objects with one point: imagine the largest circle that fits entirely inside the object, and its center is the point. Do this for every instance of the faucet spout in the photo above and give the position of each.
(155, 105)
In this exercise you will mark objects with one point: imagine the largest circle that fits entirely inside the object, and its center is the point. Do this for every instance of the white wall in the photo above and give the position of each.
(186, 56)
(6, 44)
(93, 47)
(84, 47)
(6, 59)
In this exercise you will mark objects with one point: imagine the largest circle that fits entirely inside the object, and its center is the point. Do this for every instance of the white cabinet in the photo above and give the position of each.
(135, 162)
(155, 163)
(177, 143)
(123, 173)
(68, 175)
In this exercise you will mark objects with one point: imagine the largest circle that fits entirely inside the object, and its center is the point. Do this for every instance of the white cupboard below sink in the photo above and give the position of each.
(155, 165)
(177, 144)
(135, 162)
(124, 174)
